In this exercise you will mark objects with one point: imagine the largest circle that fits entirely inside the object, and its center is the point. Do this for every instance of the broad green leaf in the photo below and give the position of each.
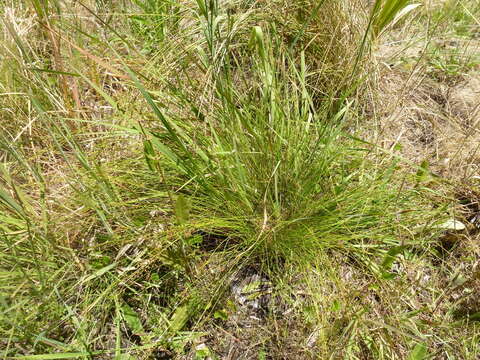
(182, 209)
(179, 318)
(388, 261)
(202, 352)
(391, 255)
(262, 355)
(336, 305)
(132, 319)
(257, 40)
(221, 314)
(423, 171)
(386, 12)
(475, 316)
(419, 352)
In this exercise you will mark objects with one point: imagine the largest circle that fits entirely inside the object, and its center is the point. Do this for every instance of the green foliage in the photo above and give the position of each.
(182, 209)
(419, 352)
(154, 22)
(132, 319)
(449, 61)
(459, 17)
(384, 13)
(269, 159)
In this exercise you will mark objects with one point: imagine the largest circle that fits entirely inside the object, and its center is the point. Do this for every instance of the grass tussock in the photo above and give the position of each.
(200, 180)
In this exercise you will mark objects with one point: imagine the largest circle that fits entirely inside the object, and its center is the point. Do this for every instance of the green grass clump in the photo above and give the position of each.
(263, 156)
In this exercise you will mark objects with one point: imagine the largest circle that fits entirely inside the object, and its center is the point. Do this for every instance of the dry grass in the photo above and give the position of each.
(431, 112)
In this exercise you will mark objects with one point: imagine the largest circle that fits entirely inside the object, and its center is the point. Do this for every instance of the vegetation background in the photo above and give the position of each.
(240, 179)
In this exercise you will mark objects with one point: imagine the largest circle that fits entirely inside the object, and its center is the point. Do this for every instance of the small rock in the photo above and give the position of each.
(252, 291)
